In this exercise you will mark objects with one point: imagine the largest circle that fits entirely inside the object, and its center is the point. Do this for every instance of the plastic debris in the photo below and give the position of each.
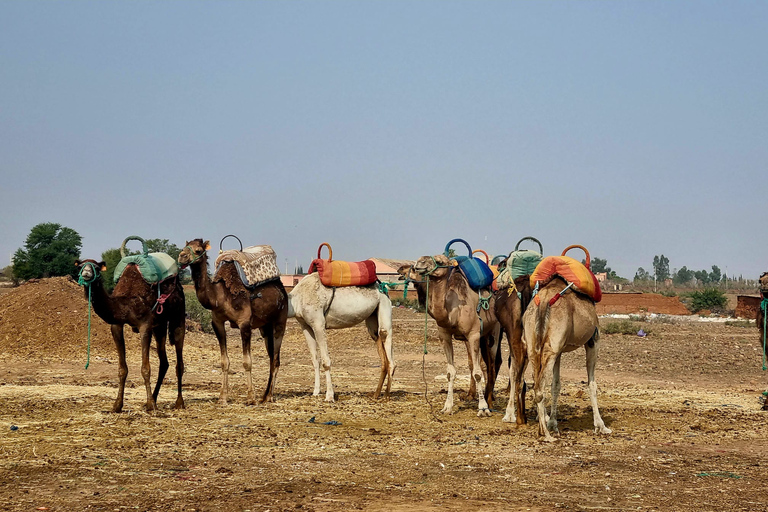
(642, 333)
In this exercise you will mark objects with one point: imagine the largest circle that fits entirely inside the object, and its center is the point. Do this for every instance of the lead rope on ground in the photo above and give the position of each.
(87, 284)
(424, 355)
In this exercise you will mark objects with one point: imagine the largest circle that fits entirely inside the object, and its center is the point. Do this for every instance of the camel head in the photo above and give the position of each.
(194, 251)
(407, 272)
(435, 266)
(90, 270)
(764, 284)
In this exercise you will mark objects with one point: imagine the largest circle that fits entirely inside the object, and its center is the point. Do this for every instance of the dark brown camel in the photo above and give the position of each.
(133, 302)
(511, 303)
(264, 308)
(763, 283)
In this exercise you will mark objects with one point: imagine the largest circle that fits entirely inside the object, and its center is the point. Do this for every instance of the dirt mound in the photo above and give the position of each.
(50, 316)
(747, 306)
(628, 303)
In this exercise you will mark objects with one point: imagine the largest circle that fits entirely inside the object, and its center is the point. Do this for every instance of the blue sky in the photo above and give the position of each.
(389, 128)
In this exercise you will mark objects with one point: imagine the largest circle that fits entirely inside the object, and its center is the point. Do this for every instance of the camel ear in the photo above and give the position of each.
(103, 266)
(207, 245)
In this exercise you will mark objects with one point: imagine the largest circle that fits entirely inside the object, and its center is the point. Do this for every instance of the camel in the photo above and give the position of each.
(317, 308)
(264, 308)
(457, 311)
(761, 313)
(551, 330)
(509, 310)
(135, 302)
(491, 352)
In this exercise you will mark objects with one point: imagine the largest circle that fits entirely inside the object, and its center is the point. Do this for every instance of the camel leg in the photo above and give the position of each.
(552, 423)
(273, 339)
(541, 375)
(445, 337)
(160, 332)
(312, 346)
(146, 338)
(472, 393)
(477, 374)
(518, 360)
(322, 343)
(386, 333)
(591, 348)
(245, 336)
(177, 331)
(492, 362)
(122, 371)
(221, 335)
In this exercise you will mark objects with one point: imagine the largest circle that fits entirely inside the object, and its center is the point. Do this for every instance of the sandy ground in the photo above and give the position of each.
(683, 403)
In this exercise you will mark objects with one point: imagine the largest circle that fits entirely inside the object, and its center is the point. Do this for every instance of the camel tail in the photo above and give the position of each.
(542, 315)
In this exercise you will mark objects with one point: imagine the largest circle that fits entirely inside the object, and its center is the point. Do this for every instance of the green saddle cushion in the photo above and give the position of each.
(523, 263)
(154, 267)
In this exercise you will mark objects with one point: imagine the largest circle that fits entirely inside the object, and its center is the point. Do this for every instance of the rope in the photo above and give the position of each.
(424, 355)
(764, 308)
(83, 282)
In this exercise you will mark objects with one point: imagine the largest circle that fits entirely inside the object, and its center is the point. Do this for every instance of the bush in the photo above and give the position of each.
(740, 323)
(196, 312)
(408, 303)
(627, 327)
(710, 298)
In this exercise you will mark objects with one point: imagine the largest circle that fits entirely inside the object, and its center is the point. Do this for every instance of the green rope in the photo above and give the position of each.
(426, 317)
(83, 282)
(764, 308)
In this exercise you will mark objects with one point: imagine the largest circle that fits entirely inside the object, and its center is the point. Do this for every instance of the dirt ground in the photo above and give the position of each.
(683, 402)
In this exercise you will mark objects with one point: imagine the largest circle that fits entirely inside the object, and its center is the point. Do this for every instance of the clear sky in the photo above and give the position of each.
(388, 128)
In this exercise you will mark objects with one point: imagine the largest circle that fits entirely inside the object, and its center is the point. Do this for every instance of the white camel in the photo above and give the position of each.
(317, 307)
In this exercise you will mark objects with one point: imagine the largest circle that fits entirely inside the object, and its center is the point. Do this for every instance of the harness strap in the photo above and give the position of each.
(764, 308)
(87, 284)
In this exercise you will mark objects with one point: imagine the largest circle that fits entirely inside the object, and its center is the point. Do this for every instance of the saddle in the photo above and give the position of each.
(520, 262)
(154, 267)
(255, 265)
(479, 275)
(577, 275)
(343, 273)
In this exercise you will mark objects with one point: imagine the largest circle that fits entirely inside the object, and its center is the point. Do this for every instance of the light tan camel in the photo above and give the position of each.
(135, 302)
(551, 330)
(456, 309)
(317, 307)
(264, 308)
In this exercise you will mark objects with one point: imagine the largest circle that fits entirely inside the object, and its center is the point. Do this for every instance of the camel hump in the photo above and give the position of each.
(256, 264)
(572, 271)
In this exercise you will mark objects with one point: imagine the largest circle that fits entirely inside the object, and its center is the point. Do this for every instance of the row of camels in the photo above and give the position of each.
(536, 333)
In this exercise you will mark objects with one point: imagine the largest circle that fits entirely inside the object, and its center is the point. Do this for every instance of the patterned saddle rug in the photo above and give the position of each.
(256, 264)
(343, 273)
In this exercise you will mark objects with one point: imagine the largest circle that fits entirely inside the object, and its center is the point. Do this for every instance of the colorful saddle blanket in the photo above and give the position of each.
(573, 271)
(256, 265)
(154, 267)
(344, 273)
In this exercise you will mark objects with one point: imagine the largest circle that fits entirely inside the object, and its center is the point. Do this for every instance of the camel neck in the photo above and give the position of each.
(103, 303)
(202, 281)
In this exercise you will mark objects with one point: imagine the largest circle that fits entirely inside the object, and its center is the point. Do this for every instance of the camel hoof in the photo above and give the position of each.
(447, 410)
(117, 409)
(179, 404)
(222, 401)
(603, 430)
(483, 413)
(549, 439)
(509, 419)
(329, 399)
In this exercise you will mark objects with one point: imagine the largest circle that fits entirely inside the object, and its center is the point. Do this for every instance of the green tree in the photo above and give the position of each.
(642, 275)
(683, 276)
(49, 250)
(715, 276)
(599, 265)
(661, 267)
(111, 257)
(702, 276)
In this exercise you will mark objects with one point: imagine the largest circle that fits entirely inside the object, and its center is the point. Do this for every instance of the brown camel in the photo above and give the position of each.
(488, 352)
(135, 302)
(511, 303)
(458, 312)
(551, 330)
(761, 312)
(264, 308)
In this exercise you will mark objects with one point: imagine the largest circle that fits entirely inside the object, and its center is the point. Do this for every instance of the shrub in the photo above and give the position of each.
(627, 327)
(196, 312)
(408, 303)
(710, 298)
(740, 323)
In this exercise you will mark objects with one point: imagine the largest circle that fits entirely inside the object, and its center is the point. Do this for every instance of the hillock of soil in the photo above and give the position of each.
(49, 317)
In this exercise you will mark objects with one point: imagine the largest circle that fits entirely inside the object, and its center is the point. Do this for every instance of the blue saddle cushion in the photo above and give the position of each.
(477, 272)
